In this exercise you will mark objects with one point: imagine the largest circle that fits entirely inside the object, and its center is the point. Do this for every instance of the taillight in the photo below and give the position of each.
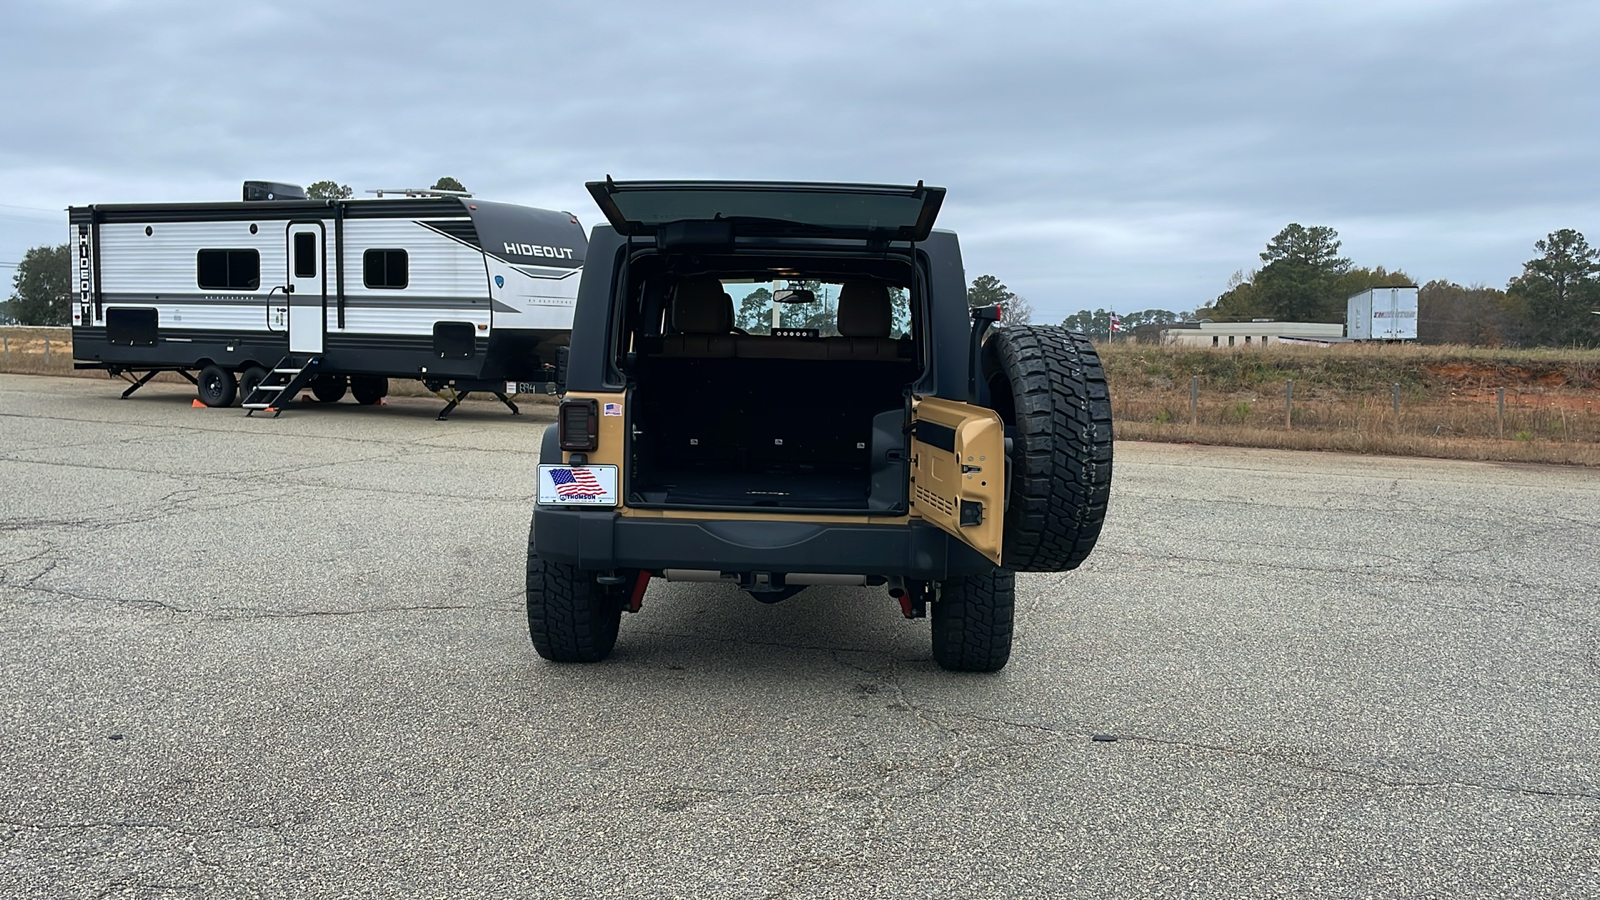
(579, 425)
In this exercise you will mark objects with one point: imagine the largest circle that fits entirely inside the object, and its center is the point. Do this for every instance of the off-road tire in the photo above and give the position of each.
(571, 618)
(216, 386)
(972, 620)
(1047, 384)
(329, 388)
(368, 389)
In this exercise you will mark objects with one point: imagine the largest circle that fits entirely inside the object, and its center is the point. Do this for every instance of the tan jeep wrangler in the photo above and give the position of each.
(866, 427)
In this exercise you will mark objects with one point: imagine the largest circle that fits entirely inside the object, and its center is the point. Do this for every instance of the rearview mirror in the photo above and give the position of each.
(794, 295)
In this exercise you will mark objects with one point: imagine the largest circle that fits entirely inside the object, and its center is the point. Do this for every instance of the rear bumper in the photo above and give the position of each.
(603, 539)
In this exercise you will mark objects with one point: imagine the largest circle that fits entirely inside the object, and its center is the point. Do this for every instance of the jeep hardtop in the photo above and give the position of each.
(856, 424)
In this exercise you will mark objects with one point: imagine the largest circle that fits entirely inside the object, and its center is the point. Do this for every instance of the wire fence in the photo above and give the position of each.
(1512, 412)
(36, 351)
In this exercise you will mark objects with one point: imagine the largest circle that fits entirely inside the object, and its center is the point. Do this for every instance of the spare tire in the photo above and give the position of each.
(1048, 386)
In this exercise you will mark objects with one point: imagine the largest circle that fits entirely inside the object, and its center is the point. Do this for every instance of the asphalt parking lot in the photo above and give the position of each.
(288, 658)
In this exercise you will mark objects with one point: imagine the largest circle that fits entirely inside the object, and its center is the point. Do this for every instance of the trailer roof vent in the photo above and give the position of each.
(272, 190)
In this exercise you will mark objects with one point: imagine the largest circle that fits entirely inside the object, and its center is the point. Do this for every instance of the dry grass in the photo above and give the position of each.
(1344, 399)
(36, 351)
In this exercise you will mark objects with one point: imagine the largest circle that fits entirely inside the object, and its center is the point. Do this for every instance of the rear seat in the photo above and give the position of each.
(865, 321)
(702, 317)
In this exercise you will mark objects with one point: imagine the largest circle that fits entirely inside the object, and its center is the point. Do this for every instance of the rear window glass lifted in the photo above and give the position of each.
(892, 212)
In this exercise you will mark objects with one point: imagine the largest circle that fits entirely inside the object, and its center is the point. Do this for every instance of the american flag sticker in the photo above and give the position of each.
(613, 409)
(578, 485)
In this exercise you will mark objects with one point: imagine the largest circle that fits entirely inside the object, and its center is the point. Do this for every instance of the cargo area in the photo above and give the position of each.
(798, 419)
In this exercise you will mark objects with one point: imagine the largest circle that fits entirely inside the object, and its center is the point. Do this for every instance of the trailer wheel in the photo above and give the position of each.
(1048, 386)
(248, 379)
(368, 389)
(972, 621)
(329, 388)
(571, 617)
(216, 386)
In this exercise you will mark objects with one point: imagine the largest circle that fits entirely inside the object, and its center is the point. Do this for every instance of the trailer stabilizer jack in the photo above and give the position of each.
(455, 397)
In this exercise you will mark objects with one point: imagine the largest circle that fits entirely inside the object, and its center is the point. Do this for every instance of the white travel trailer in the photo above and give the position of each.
(1382, 314)
(262, 298)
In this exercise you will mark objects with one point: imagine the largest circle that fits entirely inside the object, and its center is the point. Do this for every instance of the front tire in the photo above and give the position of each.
(571, 617)
(216, 386)
(972, 621)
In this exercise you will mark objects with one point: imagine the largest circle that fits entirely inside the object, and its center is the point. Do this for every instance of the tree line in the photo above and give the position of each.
(1304, 279)
(1554, 302)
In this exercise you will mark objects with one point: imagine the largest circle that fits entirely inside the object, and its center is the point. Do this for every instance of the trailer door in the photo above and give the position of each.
(308, 280)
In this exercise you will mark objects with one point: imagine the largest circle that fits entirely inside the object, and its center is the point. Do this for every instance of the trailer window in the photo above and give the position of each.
(228, 270)
(305, 255)
(385, 269)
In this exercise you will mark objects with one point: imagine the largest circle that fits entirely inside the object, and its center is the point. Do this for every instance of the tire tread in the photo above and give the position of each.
(973, 620)
(570, 617)
(1061, 457)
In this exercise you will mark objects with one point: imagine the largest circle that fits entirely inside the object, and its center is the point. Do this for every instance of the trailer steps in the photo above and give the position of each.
(289, 377)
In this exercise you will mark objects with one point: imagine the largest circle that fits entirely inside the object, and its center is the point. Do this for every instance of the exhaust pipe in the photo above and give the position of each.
(701, 575)
(824, 578)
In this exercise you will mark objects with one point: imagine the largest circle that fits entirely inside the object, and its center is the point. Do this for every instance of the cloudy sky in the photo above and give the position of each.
(1126, 155)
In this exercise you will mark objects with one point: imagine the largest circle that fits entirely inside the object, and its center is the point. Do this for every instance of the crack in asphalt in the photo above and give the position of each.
(1266, 757)
(241, 614)
(175, 502)
(147, 604)
(1364, 776)
(134, 824)
(335, 613)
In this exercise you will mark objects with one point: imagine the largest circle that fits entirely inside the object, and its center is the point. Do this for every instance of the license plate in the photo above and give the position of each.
(529, 387)
(578, 485)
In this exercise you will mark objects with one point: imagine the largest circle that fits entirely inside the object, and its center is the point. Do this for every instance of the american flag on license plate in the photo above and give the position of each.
(576, 483)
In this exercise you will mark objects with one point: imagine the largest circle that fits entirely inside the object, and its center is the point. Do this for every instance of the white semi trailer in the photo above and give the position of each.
(1382, 314)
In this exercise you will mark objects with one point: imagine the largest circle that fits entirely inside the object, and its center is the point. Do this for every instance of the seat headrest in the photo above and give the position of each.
(700, 306)
(864, 310)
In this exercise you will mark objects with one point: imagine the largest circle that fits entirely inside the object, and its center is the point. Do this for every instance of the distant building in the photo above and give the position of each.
(1240, 334)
